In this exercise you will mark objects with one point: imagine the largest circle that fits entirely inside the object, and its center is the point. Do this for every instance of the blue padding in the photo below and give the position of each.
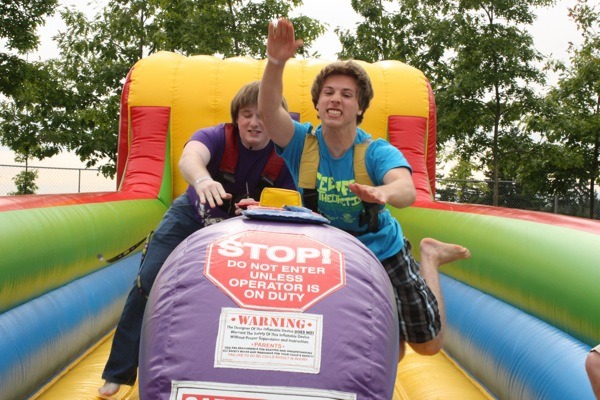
(515, 355)
(289, 214)
(39, 338)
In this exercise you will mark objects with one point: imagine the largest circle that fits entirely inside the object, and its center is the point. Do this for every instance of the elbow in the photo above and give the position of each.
(412, 196)
(406, 197)
(180, 164)
(183, 162)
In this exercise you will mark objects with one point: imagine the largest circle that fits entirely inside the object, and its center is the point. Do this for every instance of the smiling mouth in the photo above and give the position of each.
(334, 113)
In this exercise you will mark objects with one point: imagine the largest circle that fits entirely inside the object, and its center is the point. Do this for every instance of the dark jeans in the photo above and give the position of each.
(179, 222)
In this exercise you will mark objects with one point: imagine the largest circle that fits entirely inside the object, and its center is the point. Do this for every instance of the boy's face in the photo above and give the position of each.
(338, 101)
(252, 130)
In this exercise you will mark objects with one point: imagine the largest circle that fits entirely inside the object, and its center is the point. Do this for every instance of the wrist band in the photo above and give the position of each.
(274, 61)
(201, 179)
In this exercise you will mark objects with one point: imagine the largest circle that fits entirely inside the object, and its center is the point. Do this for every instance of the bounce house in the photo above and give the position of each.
(522, 312)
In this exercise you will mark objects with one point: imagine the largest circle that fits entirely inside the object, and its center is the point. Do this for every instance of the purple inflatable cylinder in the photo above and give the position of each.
(264, 310)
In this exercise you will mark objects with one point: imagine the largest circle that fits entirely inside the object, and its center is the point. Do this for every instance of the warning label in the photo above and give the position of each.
(277, 341)
(274, 271)
(197, 390)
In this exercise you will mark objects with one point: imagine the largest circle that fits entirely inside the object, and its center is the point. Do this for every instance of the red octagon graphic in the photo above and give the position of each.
(273, 270)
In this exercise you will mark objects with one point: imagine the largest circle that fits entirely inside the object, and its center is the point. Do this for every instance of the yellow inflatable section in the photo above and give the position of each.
(419, 378)
(198, 90)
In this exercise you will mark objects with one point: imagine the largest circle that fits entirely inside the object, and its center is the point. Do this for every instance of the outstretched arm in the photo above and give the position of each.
(281, 46)
(397, 190)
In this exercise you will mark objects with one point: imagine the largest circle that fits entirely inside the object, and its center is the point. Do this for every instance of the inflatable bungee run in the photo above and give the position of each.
(262, 309)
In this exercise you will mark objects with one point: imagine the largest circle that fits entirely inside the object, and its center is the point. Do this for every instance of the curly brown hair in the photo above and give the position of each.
(349, 68)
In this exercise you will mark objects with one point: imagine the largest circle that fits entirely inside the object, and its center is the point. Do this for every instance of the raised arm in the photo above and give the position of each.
(281, 46)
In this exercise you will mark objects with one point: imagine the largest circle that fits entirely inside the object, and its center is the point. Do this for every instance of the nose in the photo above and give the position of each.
(335, 97)
(256, 120)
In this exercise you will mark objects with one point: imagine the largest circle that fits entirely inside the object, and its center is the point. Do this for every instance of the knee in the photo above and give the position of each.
(429, 348)
(147, 275)
(592, 366)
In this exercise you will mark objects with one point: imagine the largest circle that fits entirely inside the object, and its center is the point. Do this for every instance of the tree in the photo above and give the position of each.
(412, 31)
(227, 27)
(25, 182)
(18, 23)
(23, 126)
(480, 61)
(96, 55)
(570, 120)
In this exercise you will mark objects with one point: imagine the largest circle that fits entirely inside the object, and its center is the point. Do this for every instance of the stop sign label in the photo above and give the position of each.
(273, 270)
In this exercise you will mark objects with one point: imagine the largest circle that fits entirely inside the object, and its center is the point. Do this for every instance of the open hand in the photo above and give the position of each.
(281, 41)
(369, 194)
(211, 192)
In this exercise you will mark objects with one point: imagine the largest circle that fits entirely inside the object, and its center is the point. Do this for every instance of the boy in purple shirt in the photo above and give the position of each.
(210, 198)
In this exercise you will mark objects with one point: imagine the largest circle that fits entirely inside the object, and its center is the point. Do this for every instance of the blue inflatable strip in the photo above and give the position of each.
(43, 335)
(515, 355)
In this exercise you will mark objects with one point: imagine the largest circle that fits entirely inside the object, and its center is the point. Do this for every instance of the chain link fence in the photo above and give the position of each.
(53, 180)
(511, 195)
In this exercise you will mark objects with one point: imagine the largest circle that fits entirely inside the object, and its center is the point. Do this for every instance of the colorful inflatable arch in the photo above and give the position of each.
(522, 312)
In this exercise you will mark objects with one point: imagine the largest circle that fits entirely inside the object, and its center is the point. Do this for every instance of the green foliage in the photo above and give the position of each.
(25, 182)
(96, 55)
(18, 23)
(229, 28)
(569, 120)
(412, 31)
(23, 126)
(481, 63)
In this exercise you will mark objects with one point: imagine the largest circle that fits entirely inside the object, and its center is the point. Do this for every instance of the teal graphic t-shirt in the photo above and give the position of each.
(335, 201)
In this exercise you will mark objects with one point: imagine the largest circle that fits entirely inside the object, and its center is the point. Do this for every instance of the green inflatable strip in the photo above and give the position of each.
(65, 243)
(548, 271)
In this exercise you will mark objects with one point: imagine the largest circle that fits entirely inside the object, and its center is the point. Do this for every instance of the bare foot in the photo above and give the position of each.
(108, 389)
(439, 253)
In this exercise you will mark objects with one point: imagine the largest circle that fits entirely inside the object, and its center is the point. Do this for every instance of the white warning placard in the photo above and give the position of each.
(276, 341)
(196, 390)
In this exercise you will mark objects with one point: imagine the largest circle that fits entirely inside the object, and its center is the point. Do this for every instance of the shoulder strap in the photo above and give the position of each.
(309, 163)
(270, 172)
(307, 179)
(230, 155)
(360, 166)
(307, 175)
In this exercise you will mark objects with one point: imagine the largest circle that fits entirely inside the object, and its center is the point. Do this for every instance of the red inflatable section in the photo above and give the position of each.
(409, 134)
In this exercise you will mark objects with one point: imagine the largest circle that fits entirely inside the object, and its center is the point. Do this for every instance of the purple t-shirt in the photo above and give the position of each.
(247, 175)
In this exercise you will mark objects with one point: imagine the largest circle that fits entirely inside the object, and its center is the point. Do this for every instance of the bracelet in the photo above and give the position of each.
(274, 61)
(201, 179)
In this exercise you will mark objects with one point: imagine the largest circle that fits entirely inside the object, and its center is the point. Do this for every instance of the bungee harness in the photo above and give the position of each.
(228, 165)
(307, 180)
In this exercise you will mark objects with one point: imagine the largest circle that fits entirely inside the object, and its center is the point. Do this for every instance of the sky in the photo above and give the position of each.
(552, 32)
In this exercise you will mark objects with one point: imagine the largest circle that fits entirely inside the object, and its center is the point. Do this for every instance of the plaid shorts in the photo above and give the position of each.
(418, 312)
